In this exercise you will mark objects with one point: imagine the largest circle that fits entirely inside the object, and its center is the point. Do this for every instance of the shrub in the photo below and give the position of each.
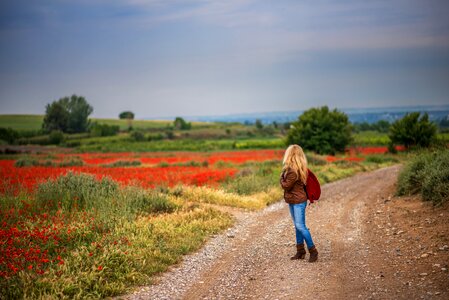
(181, 124)
(321, 130)
(155, 137)
(137, 136)
(104, 130)
(73, 161)
(56, 137)
(123, 163)
(30, 161)
(9, 135)
(38, 140)
(428, 174)
(26, 162)
(170, 134)
(413, 130)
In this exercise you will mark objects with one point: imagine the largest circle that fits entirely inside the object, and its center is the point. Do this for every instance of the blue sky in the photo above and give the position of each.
(200, 57)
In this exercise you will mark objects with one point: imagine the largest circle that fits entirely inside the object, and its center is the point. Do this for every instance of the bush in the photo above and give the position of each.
(155, 137)
(181, 124)
(104, 130)
(8, 135)
(321, 130)
(428, 174)
(30, 161)
(413, 130)
(123, 163)
(137, 136)
(26, 162)
(56, 137)
(37, 140)
(73, 161)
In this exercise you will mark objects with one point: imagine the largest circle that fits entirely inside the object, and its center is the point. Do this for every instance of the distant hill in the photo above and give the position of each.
(356, 115)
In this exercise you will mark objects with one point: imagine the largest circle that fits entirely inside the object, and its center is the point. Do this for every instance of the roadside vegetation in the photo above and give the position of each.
(427, 174)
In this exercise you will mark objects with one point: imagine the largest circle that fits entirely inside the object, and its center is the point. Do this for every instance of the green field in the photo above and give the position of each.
(34, 122)
(161, 136)
(21, 122)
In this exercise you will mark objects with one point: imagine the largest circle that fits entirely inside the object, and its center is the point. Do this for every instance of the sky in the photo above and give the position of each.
(200, 57)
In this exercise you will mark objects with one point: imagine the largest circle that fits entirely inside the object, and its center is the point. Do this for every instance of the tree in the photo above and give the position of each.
(56, 116)
(67, 115)
(79, 111)
(126, 115)
(259, 124)
(321, 130)
(180, 123)
(413, 130)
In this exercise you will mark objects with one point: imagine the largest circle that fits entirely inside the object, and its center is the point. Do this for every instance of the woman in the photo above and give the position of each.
(293, 180)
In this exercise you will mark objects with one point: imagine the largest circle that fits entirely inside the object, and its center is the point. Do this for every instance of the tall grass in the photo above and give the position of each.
(84, 191)
(95, 239)
(427, 174)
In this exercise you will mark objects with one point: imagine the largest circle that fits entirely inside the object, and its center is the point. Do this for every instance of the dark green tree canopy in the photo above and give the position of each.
(56, 116)
(68, 114)
(126, 115)
(413, 130)
(321, 130)
(180, 123)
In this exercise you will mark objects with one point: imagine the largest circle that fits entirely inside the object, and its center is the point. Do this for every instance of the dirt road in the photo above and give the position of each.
(371, 246)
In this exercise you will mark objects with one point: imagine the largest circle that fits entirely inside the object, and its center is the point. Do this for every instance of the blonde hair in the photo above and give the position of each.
(295, 159)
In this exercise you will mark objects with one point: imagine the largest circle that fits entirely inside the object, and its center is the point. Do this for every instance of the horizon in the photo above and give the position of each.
(195, 57)
(347, 110)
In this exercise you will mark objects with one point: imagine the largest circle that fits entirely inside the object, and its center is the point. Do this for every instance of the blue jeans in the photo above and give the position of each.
(298, 213)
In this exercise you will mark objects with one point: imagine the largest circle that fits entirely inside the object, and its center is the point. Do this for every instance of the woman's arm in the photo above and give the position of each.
(288, 179)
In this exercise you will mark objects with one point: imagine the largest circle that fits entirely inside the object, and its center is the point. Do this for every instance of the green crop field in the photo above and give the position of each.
(371, 138)
(34, 122)
(21, 122)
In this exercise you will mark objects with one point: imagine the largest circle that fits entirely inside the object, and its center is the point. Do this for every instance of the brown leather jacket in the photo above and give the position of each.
(293, 187)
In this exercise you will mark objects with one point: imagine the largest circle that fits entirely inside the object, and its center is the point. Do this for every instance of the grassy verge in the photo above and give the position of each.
(427, 174)
(83, 238)
(257, 184)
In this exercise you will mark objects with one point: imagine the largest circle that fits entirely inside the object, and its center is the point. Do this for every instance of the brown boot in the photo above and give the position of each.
(300, 252)
(313, 254)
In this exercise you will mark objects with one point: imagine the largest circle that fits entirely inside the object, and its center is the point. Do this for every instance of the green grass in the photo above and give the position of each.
(34, 122)
(22, 122)
(122, 143)
(427, 174)
(371, 138)
(94, 238)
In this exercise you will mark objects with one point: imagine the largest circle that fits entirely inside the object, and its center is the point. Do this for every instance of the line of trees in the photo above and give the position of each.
(326, 131)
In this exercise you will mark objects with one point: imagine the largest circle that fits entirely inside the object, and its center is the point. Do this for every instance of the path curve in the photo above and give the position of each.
(251, 260)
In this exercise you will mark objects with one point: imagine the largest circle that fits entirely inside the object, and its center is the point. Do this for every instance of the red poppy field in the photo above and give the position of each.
(59, 225)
